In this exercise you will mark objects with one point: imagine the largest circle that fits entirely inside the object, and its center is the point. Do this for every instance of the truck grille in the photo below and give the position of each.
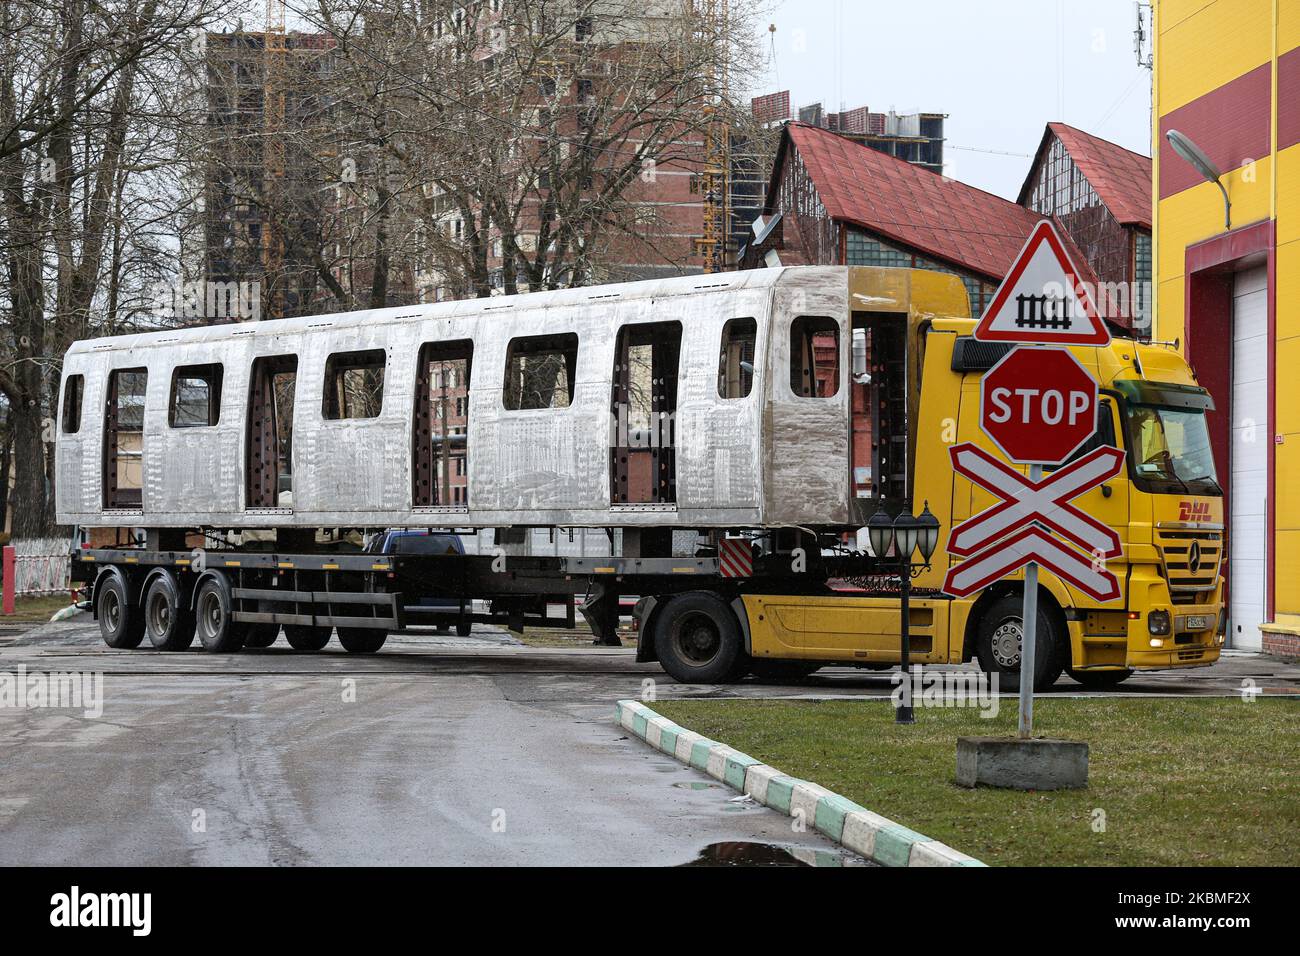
(1191, 559)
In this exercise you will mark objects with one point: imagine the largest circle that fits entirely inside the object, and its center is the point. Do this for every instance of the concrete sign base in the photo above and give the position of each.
(1036, 764)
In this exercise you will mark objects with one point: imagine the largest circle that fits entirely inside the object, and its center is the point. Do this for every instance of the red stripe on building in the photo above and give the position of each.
(1231, 124)
(1288, 99)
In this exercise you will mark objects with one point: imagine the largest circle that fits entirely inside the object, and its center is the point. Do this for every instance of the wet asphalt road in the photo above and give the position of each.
(436, 751)
(453, 753)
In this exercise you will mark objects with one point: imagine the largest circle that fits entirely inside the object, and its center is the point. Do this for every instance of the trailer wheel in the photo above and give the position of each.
(261, 635)
(463, 628)
(998, 644)
(121, 624)
(362, 640)
(1101, 680)
(217, 631)
(167, 621)
(697, 639)
(307, 637)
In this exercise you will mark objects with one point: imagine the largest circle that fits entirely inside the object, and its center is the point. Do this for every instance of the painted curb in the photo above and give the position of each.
(868, 834)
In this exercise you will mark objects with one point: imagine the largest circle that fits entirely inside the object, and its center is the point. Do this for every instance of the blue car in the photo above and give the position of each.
(439, 611)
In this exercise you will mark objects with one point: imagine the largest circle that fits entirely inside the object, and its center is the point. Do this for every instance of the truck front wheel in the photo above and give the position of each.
(697, 639)
(998, 645)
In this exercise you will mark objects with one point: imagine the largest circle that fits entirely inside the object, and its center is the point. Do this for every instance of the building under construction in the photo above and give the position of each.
(262, 190)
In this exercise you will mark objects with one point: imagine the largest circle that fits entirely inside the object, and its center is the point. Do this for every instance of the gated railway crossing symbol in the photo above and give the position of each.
(1043, 298)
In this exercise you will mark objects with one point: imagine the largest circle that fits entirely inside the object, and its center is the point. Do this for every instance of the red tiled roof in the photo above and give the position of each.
(911, 205)
(1120, 177)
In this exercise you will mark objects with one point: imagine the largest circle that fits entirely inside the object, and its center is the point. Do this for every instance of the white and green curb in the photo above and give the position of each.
(868, 834)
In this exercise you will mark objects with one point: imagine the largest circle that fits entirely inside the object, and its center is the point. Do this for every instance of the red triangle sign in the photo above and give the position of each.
(1042, 298)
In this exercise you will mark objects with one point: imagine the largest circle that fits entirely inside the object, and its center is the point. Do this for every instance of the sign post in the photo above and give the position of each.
(1029, 640)
(1039, 407)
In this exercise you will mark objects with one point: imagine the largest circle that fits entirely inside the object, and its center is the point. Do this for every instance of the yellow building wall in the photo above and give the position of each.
(1200, 47)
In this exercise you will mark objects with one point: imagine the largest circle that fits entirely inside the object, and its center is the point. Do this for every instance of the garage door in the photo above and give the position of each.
(1247, 489)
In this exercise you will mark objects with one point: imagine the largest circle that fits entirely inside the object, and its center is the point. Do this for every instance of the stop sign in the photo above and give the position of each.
(1038, 405)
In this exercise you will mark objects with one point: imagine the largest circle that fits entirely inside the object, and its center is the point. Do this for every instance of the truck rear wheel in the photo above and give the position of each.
(167, 621)
(121, 623)
(362, 640)
(697, 639)
(307, 637)
(998, 644)
(217, 631)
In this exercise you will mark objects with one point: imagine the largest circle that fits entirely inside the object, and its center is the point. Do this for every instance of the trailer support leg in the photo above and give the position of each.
(601, 612)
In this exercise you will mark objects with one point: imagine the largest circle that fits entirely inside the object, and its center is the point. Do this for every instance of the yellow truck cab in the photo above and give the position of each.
(1167, 508)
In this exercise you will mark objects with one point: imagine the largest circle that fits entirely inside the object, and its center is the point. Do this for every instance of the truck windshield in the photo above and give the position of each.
(1170, 449)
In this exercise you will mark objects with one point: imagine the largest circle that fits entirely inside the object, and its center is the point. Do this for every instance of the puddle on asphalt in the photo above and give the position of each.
(747, 853)
(697, 785)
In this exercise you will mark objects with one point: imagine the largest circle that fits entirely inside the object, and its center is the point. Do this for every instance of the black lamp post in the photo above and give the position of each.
(905, 533)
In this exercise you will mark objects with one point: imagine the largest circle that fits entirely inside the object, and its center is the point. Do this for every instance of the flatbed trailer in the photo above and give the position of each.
(230, 599)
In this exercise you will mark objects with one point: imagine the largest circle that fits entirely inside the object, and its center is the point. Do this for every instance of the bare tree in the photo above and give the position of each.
(529, 139)
(84, 88)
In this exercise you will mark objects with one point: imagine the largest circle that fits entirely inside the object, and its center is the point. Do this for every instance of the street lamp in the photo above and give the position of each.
(1196, 158)
(905, 533)
(928, 534)
(880, 532)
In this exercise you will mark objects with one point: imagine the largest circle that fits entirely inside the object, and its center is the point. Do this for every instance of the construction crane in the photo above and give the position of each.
(715, 174)
(273, 159)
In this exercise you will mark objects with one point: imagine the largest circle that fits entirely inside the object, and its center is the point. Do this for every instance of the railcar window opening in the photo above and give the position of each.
(195, 396)
(269, 449)
(74, 387)
(736, 358)
(540, 371)
(643, 467)
(124, 438)
(814, 357)
(441, 423)
(354, 384)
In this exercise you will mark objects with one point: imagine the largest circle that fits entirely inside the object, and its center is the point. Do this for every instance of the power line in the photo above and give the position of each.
(981, 149)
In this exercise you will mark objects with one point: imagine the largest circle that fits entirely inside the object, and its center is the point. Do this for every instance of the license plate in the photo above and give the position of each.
(1197, 622)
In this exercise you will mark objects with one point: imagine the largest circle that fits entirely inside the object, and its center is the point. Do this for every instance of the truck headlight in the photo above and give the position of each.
(1158, 622)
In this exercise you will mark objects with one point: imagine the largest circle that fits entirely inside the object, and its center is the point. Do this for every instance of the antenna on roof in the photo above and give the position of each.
(1141, 33)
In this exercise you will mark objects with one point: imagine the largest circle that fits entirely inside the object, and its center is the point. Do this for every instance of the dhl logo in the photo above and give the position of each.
(1193, 511)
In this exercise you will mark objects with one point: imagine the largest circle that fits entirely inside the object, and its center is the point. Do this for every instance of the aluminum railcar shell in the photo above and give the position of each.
(770, 459)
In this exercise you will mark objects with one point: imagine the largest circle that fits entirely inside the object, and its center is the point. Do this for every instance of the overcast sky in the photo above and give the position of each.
(1000, 70)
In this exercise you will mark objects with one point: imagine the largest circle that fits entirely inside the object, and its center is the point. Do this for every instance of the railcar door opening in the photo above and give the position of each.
(269, 450)
(643, 465)
(124, 438)
(881, 406)
(441, 425)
